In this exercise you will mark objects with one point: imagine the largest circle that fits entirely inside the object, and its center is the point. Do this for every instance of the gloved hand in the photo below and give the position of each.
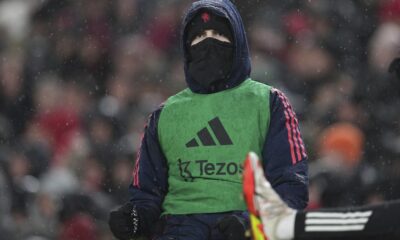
(124, 222)
(232, 227)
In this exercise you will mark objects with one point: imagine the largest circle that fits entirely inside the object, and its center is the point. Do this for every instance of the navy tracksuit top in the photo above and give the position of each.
(283, 154)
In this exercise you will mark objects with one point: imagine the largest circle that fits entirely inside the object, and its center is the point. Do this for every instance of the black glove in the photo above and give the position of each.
(124, 222)
(232, 227)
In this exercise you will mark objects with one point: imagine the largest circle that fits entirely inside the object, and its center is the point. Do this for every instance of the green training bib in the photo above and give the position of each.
(205, 138)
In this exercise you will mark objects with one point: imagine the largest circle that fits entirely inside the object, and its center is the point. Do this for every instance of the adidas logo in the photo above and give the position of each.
(207, 139)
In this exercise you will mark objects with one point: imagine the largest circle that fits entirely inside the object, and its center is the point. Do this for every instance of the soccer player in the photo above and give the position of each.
(188, 174)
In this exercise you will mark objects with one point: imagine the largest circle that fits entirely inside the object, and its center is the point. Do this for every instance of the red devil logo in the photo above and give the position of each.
(206, 17)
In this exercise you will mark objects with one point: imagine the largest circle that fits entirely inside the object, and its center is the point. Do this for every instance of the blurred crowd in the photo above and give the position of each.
(78, 79)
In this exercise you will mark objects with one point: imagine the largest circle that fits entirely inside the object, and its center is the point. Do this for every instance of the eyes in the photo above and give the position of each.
(209, 33)
(204, 34)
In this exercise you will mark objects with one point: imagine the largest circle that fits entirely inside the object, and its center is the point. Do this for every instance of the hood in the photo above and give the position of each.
(241, 65)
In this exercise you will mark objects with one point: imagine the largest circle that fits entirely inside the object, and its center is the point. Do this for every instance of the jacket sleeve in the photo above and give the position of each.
(284, 155)
(149, 178)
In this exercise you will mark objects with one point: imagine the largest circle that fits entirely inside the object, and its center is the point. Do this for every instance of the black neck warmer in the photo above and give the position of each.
(210, 63)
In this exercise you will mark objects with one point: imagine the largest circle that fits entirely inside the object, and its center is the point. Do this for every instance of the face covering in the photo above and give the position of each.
(210, 62)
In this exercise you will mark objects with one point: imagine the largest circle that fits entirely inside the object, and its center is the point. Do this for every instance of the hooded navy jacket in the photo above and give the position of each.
(283, 154)
(241, 66)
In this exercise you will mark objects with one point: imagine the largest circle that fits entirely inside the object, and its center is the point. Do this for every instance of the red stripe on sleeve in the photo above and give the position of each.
(296, 134)
(290, 137)
(299, 144)
(288, 127)
(136, 182)
(303, 149)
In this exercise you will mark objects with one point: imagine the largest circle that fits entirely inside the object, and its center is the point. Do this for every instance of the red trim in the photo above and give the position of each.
(288, 128)
(295, 131)
(303, 149)
(299, 144)
(136, 169)
(136, 182)
(206, 17)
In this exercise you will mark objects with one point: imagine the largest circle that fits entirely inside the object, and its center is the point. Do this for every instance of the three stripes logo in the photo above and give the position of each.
(205, 137)
(336, 221)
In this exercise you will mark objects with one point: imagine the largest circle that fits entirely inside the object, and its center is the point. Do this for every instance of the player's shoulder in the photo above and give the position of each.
(182, 96)
(257, 88)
